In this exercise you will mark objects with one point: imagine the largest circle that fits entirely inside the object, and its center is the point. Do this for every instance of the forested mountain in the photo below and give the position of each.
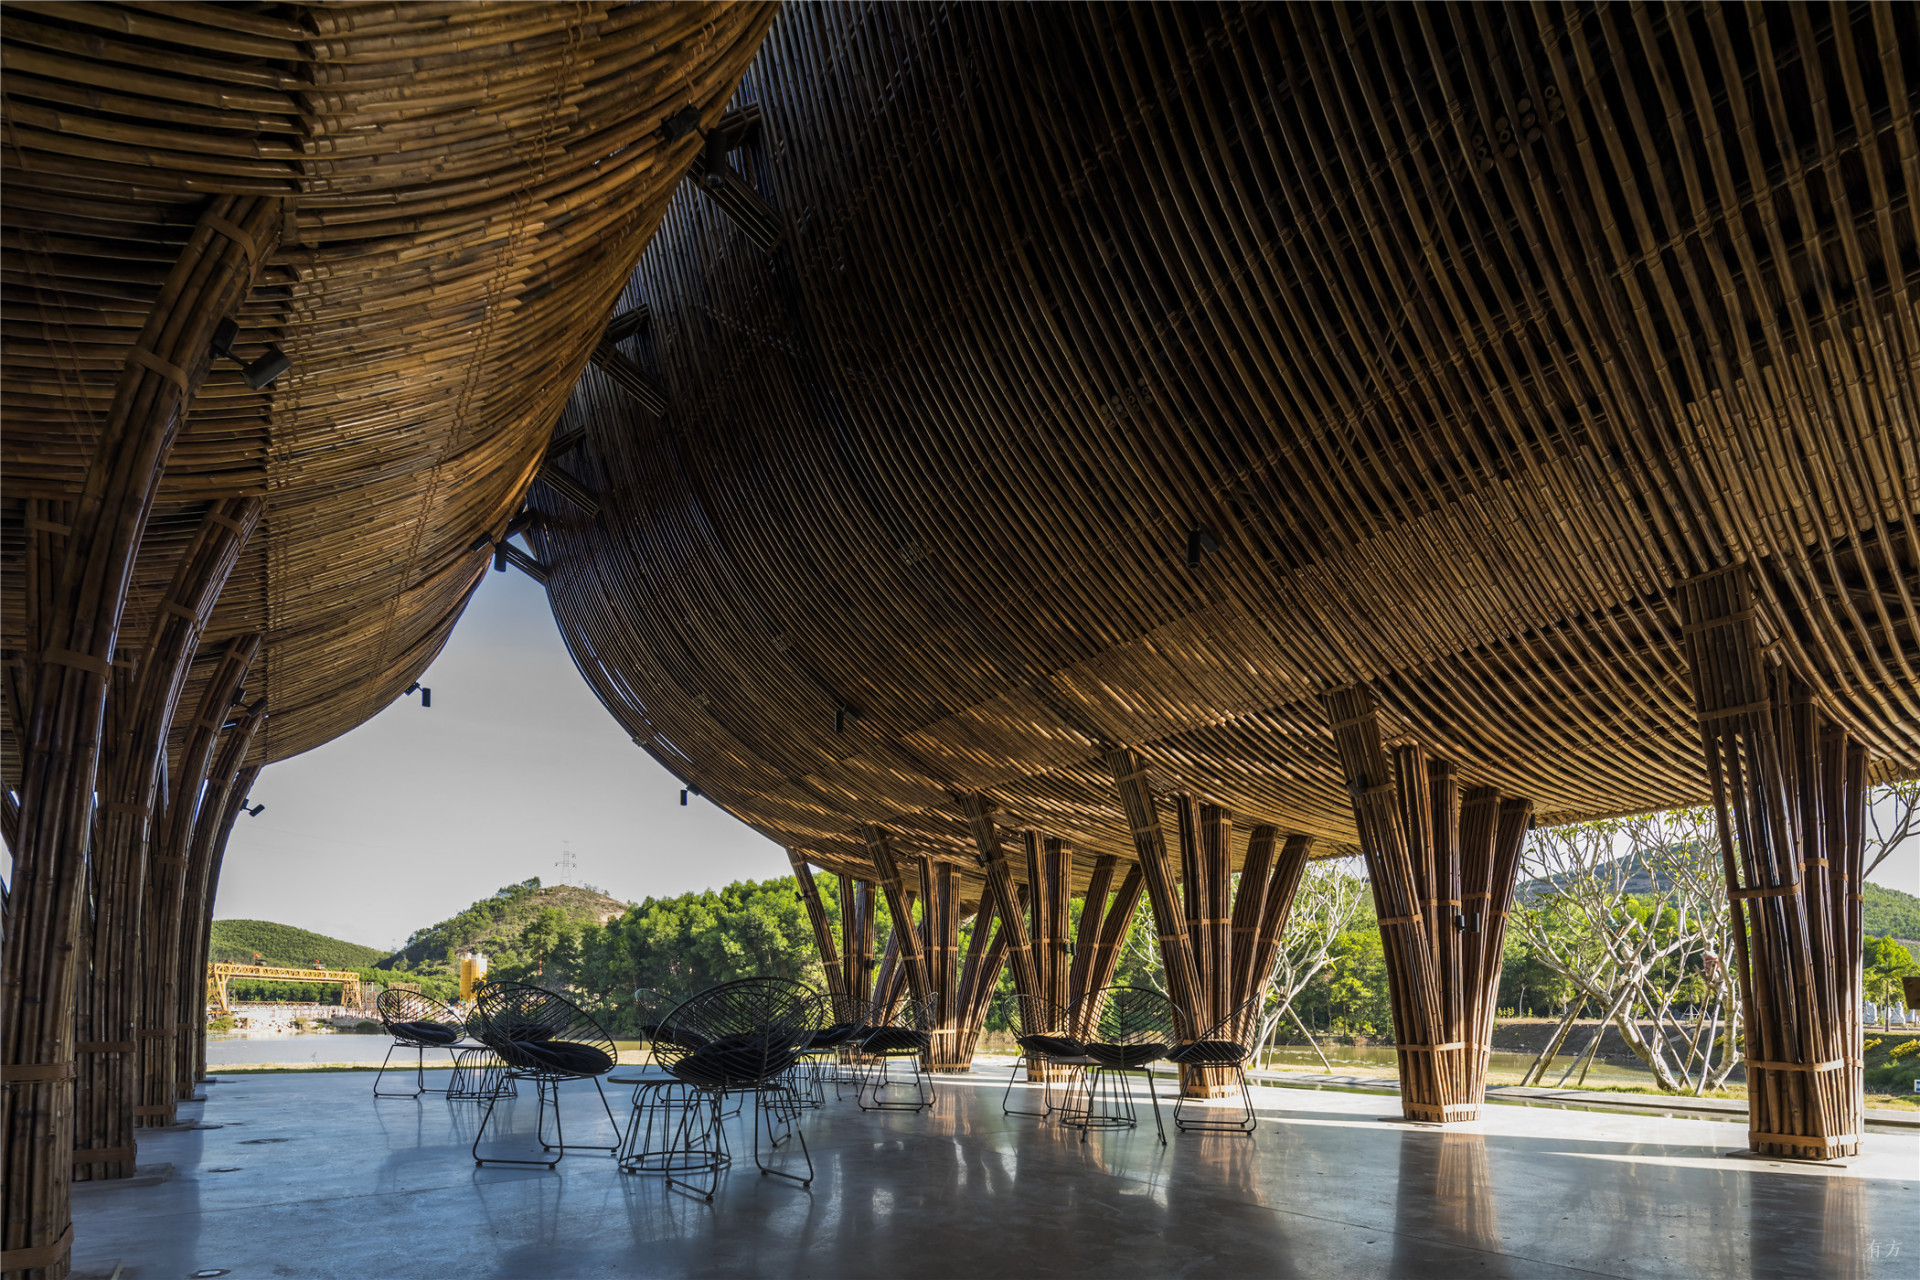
(282, 945)
(1890, 913)
(495, 925)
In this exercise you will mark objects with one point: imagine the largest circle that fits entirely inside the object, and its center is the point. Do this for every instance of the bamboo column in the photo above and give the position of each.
(1221, 942)
(1423, 847)
(822, 933)
(213, 820)
(857, 919)
(940, 938)
(1790, 789)
(169, 888)
(1103, 929)
(1050, 889)
(69, 679)
(904, 939)
(236, 801)
(108, 1014)
(987, 954)
(986, 839)
(1150, 847)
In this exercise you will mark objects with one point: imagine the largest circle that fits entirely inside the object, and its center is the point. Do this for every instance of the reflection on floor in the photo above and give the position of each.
(308, 1176)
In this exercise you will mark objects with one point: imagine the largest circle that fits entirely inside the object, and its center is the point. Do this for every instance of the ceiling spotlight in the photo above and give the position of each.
(254, 812)
(500, 557)
(683, 797)
(426, 694)
(681, 123)
(1200, 542)
(842, 717)
(239, 695)
(260, 373)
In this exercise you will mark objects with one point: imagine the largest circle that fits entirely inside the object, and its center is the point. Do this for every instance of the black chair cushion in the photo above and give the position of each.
(564, 1057)
(1207, 1053)
(896, 1040)
(518, 1030)
(1047, 1046)
(828, 1037)
(742, 1059)
(426, 1032)
(1126, 1056)
(664, 1033)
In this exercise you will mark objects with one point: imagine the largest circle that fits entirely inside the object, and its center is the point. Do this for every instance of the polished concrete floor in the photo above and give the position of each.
(306, 1175)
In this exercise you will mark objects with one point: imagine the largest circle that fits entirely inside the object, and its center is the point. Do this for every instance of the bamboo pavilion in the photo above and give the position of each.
(1000, 453)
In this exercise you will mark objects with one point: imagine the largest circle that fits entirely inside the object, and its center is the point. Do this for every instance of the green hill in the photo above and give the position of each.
(282, 945)
(493, 925)
(1888, 911)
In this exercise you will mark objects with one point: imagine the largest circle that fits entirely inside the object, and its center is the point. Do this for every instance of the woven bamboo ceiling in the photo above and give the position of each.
(1446, 340)
(467, 185)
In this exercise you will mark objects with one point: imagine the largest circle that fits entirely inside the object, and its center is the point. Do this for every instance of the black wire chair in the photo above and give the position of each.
(1227, 1045)
(842, 1018)
(1123, 1029)
(1043, 1032)
(545, 1038)
(904, 1034)
(740, 1037)
(661, 1104)
(419, 1023)
(656, 1014)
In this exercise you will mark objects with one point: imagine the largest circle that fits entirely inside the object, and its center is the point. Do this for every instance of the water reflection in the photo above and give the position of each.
(1802, 1230)
(1445, 1196)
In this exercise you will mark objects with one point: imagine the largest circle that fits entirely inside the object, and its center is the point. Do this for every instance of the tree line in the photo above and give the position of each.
(1624, 922)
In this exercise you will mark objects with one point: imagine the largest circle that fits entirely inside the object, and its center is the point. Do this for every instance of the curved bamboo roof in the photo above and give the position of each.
(1446, 340)
(467, 186)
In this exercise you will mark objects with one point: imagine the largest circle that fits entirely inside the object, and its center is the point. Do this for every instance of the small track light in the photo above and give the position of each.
(500, 557)
(683, 797)
(681, 123)
(255, 707)
(426, 697)
(1200, 542)
(259, 374)
(262, 372)
(842, 717)
(239, 695)
(254, 812)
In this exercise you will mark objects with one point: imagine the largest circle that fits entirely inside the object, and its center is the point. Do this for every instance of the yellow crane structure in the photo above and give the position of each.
(220, 974)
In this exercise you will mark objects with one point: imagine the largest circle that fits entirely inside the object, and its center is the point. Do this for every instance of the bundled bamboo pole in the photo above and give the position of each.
(69, 679)
(1443, 940)
(108, 1012)
(1789, 789)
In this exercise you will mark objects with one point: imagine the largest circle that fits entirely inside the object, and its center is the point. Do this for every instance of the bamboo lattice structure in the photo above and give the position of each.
(1083, 380)
(426, 212)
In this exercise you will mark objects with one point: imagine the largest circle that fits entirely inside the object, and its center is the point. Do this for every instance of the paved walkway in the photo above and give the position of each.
(308, 1176)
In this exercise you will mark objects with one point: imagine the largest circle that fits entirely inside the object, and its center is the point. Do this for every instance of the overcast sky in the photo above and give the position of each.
(409, 818)
(417, 813)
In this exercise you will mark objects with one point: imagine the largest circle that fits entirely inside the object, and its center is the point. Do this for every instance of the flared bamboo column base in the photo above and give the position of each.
(1048, 1073)
(1209, 1082)
(1777, 1099)
(1442, 1086)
